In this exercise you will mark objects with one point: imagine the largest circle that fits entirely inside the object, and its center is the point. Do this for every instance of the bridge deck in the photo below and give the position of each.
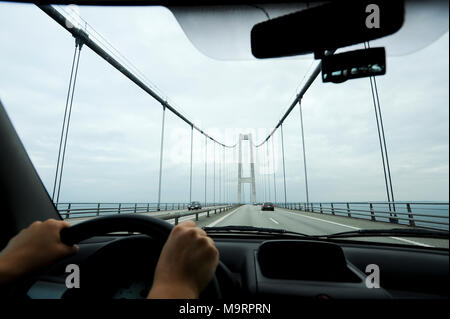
(299, 221)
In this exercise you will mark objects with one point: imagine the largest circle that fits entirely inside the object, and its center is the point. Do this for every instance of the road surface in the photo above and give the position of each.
(311, 224)
(302, 222)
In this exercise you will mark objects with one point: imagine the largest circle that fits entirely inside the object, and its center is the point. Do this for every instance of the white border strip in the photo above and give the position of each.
(274, 221)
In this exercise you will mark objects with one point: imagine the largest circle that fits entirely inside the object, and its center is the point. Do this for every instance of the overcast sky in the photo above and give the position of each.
(114, 139)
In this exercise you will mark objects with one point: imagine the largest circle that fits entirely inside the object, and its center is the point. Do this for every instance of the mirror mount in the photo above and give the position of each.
(320, 54)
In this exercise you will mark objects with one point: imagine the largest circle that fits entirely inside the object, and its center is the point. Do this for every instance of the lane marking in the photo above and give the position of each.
(356, 228)
(322, 220)
(412, 242)
(274, 220)
(222, 218)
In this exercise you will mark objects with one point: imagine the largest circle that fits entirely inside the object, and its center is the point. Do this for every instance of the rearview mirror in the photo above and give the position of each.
(341, 67)
(326, 27)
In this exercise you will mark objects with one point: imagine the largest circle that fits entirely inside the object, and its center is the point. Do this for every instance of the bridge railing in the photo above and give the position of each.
(72, 210)
(415, 214)
(214, 209)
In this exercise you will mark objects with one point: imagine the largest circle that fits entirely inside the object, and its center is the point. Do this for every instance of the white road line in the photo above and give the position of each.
(356, 228)
(325, 221)
(411, 242)
(222, 218)
(274, 220)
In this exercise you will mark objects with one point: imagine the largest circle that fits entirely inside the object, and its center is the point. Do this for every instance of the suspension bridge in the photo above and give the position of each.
(314, 218)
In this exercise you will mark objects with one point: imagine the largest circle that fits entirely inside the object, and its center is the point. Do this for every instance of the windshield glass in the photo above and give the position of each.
(370, 153)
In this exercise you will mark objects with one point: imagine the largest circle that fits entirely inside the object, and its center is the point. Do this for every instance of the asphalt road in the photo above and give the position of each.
(310, 224)
(302, 222)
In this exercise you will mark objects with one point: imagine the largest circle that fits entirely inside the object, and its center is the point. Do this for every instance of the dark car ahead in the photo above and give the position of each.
(268, 206)
(194, 205)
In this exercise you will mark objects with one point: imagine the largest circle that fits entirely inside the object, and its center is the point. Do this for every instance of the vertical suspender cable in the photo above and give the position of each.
(161, 156)
(263, 178)
(304, 152)
(230, 172)
(206, 164)
(220, 177)
(380, 138)
(230, 175)
(226, 176)
(385, 146)
(217, 174)
(268, 175)
(64, 121)
(384, 139)
(190, 174)
(381, 144)
(80, 44)
(284, 168)
(223, 173)
(236, 171)
(225, 179)
(261, 151)
(214, 174)
(273, 166)
(236, 175)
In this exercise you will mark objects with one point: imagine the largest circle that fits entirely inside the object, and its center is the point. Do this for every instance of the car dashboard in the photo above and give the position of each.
(122, 267)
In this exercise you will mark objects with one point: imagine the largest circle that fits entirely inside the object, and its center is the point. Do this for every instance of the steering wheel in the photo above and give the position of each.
(157, 229)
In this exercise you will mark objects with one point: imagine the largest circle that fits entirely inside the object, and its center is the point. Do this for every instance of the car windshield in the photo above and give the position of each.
(192, 116)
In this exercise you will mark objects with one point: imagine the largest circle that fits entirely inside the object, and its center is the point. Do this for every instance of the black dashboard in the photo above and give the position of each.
(257, 266)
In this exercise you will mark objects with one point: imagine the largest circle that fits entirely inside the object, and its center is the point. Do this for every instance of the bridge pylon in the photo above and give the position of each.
(251, 178)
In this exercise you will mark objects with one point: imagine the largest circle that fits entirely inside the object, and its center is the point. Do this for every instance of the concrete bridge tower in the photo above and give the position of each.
(251, 179)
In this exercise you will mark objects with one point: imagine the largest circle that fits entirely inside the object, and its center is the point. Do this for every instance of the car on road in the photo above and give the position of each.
(268, 206)
(194, 205)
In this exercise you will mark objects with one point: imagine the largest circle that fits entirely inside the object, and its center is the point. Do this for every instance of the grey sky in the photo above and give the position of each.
(113, 149)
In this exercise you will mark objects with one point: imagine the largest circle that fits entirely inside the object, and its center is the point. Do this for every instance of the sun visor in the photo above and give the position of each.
(223, 32)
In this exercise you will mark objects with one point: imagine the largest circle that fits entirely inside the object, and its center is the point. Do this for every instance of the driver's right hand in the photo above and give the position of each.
(186, 265)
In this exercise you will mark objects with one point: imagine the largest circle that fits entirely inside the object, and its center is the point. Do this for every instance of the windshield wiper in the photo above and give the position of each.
(252, 229)
(405, 232)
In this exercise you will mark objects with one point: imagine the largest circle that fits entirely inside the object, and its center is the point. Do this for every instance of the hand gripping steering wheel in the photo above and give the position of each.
(157, 229)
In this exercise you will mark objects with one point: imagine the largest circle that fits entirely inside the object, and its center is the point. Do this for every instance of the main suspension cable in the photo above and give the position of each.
(78, 33)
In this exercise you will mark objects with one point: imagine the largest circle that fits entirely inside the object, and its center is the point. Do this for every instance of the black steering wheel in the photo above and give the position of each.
(157, 229)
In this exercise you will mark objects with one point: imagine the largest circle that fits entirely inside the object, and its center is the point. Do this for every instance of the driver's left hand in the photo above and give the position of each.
(36, 246)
